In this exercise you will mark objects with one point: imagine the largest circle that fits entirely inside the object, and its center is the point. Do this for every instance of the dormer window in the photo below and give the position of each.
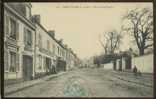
(28, 12)
(23, 9)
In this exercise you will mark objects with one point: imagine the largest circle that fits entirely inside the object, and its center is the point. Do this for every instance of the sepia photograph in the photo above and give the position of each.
(78, 49)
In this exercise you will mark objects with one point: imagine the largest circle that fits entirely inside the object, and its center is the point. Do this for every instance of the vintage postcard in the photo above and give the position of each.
(82, 49)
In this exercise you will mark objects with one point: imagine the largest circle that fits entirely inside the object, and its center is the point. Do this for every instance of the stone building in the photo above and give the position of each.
(19, 33)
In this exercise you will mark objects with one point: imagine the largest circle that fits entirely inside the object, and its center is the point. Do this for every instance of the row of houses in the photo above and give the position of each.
(31, 51)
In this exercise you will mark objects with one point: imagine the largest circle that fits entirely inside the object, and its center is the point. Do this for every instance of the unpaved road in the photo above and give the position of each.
(91, 83)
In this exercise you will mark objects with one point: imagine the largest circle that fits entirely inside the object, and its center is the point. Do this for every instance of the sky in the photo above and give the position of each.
(81, 24)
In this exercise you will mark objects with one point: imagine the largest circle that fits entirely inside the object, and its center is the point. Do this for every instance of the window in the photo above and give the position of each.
(6, 24)
(53, 48)
(48, 45)
(12, 62)
(13, 28)
(40, 41)
(44, 60)
(58, 50)
(22, 10)
(40, 62)
(63, 53)
(28, 37)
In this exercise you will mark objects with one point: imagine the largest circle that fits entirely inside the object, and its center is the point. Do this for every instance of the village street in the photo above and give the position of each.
(89, 82)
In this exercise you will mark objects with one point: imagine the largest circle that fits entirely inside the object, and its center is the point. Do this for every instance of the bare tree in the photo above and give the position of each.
(111, 41)
(104, 43)
(140, 27)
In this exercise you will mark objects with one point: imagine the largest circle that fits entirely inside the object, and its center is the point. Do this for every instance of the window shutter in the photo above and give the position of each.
(17, 30)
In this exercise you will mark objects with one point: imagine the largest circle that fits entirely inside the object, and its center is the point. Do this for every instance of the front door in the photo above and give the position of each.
(48, 64)
(27, 67)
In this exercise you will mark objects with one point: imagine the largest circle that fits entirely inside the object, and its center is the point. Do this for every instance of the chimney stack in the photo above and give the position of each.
(52, 33)
(66, 46)
(37, 18)
(61, 41)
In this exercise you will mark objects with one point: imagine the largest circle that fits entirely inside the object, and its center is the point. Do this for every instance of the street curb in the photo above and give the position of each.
(20, 89)
(31, 85)
(141, 83)
(147, 85)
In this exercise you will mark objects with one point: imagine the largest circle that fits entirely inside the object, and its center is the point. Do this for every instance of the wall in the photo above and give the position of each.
(144, 63)
(107, 66)
(118, 64)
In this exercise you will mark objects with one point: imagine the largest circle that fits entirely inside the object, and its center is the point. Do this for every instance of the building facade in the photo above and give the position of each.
(19, 33)
(30, 51)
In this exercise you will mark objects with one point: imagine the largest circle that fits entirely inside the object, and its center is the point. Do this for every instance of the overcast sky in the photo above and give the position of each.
(80, 24)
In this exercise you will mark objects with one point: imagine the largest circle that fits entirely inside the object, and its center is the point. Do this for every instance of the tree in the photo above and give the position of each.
(111, 41)
(140, 27)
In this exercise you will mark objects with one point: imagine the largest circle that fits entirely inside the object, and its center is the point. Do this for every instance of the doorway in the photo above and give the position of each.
(128, 62)
(27, 67)
(48, 64)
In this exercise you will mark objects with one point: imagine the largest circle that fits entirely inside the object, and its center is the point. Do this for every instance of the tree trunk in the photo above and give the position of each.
(141, 51)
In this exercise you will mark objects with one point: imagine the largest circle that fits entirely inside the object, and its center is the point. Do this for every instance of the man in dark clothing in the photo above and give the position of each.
(135, 70)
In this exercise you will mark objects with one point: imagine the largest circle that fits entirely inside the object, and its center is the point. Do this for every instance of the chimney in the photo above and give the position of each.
(52, 33)
(66, 46)
(61, 41)
(36, 18)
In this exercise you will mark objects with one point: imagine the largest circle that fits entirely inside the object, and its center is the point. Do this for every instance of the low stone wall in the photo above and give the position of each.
(107, 66)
